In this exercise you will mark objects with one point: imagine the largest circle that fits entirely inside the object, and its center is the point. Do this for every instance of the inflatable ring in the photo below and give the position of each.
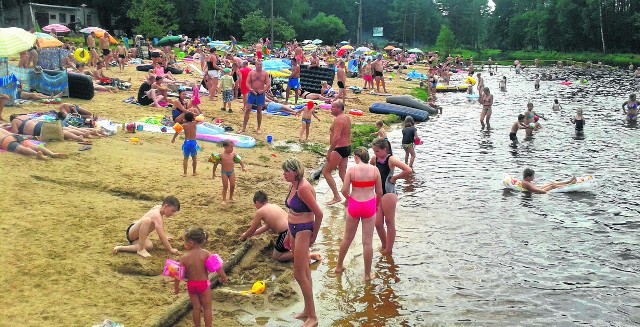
(81, 55)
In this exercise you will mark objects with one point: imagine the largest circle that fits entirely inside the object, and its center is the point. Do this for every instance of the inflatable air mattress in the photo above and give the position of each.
(451, 88)
(583, 184)
(239, 140)
(412, 102)
(402, 111)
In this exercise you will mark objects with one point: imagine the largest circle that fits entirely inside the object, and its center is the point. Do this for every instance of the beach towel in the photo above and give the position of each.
(23, 74)
(50, 84)
(9, 86)
(52, 58)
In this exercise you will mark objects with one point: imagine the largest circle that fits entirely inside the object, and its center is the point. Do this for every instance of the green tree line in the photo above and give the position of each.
(557, 25)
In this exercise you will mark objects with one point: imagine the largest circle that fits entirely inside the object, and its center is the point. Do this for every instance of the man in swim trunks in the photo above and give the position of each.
(91, 44)
(274, 219)
(258, 83)
(513, 136)
(294, 81)
(138, 233)
(190, 145)
(339, 148)
(315, 61)
(378, 75)
(528, 185)
(104, 48)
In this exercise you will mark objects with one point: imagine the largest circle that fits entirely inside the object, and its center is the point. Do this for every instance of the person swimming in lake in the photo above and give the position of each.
(556, 105)
(513, 136)
(630, 108)
(529, 186)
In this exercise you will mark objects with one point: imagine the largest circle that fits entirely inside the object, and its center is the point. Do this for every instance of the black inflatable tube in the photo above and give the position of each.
(412, 102)
(402, 111)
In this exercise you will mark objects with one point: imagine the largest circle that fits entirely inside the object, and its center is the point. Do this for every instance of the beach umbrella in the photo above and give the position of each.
(415, 50)
(310, 47)
(363, 49)
(346, 47)
(397, 49)
(88, 30)
(112, 40)
(344, 42)
(57, 28)
(389, 47)
(14, 40)
(274, 65)
(170, 40)
(45, 40)
(306, 41)
(317, 41)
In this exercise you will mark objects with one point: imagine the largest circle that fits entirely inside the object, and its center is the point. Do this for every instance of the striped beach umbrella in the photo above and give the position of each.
(14, 40)
(57, 28)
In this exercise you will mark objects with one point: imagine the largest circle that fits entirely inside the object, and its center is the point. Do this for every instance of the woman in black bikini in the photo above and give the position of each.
(20, 144)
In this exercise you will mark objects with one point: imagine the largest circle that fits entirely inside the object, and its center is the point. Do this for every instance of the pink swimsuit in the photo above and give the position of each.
(364, 209)
(197, 286)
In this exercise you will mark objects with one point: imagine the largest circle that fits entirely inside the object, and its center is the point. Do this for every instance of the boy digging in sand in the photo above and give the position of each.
(227, 160)
(138, 232)
(190, 146)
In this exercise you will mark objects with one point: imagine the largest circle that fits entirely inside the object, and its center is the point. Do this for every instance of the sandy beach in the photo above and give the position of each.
(62, 218)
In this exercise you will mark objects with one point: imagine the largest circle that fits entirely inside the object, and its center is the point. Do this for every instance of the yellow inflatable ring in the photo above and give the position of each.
(470, 80)
(81, 55)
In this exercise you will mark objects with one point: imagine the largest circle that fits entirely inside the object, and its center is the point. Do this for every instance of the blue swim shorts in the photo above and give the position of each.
(190, 148)
(256, 100)
(294, 83)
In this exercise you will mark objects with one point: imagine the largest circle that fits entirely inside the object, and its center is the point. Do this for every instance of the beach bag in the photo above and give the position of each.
(51, 130)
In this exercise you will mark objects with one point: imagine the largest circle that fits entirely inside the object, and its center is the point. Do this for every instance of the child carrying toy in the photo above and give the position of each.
(190, 145)
(307, 112)
(227, 159)
(197, 264)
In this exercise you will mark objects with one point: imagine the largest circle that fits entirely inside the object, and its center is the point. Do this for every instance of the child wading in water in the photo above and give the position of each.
(409, 133)
(138, 233)
(190, 145)
(513, 136)
(227, 160)
(307, 112)
(197, 275)
(381, 133)
(556, 105)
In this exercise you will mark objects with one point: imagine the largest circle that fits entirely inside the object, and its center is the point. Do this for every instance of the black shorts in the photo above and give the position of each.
(155, 54)
(129, 239)
(105, 52)
(280, 242)
(344, 151)
(122, 56)
(377, 73)
(340, 85)
(513, 137)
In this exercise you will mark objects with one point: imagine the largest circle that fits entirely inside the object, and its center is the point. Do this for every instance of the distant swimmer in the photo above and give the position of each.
(528, 185)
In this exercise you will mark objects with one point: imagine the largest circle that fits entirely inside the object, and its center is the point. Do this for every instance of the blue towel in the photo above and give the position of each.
(9, 86)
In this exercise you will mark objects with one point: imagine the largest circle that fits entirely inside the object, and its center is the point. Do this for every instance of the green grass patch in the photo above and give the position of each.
(420, 93)
(391, 119)
(316, 148)
(361, 135)
(264, 158)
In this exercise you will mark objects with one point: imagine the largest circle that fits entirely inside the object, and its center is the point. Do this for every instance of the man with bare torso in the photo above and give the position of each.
(315, 61)
(339, 148)
(104, 48)
(258, 83)
(91, 44)
(378, 75)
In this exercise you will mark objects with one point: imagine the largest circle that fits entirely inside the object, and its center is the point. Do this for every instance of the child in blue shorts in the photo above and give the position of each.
(190, 145)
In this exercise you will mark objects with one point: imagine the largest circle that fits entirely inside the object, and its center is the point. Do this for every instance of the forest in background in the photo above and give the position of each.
(550, 25)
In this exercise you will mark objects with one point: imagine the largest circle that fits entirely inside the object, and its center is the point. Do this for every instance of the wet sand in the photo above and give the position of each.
(62, 218)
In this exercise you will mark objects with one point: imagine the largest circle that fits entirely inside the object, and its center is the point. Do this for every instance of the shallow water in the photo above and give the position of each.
(470, 253)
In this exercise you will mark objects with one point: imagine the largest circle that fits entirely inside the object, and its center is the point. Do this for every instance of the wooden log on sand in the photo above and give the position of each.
(183, 306)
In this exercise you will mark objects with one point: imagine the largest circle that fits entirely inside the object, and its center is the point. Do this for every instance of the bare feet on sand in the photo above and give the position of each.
(302, 315)
(60, 155)
(315, 256)
(143, 253)
(333, 201)
(310, 322)
(184, 175)
(224, 202)
(338, 270)
(195, 174)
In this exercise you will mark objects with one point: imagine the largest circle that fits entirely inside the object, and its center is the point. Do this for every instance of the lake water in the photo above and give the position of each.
(470, 253)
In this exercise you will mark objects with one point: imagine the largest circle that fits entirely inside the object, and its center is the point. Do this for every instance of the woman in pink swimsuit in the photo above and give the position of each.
(363, 188)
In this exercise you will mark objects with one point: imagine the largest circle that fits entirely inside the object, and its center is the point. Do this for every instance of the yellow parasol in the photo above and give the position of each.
(347, 47)
(100, 34)
(389, 47)
(47, 41)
